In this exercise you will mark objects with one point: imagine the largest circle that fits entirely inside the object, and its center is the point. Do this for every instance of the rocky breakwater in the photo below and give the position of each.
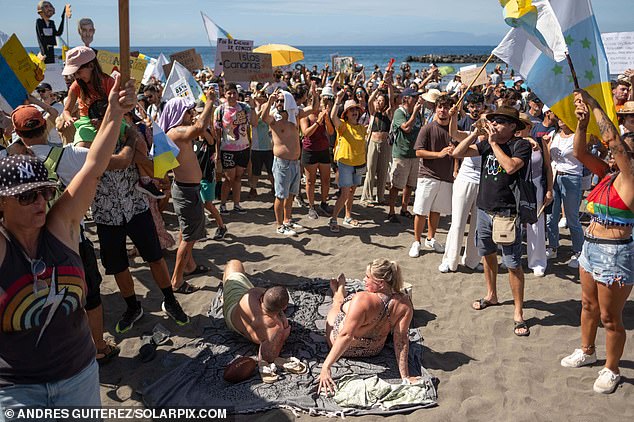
(451, 58)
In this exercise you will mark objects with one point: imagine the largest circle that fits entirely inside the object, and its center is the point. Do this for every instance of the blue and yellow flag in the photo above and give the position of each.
(164, 152)
(552, 80)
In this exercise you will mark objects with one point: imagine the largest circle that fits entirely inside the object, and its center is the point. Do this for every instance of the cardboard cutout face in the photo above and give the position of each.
(87, 32)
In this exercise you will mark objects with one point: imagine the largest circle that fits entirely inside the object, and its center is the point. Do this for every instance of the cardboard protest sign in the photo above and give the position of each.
(225, 44)
(247, 66)
(181, 83)
(110, 62)
(468, 74)
(619, 47)
(188, 58)
(53, 76)
(343, 64)
(18, 60)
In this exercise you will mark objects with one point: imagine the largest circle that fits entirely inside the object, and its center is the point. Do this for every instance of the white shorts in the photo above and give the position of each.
(432, 196)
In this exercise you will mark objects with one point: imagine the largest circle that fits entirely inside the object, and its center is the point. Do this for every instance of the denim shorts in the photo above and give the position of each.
(286, 175)
(609, 263)
(349, 175)
(511, 254)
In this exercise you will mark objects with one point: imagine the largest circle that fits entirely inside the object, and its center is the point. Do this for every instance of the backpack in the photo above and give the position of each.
(51, 163)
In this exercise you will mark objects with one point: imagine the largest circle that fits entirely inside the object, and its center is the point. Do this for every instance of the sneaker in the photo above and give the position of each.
(150, 190)
(414, 251)
(223, 209)
(237, 208)
(220, 233)
(606, 382)
(435, 245)
(551, 253)
(578, 359)
(312, 214)
(563, 223)
(444, 268)
(174, 311)
(325, 208)
(299, 201)
(293, 225)
(574, 261)
(286, 231)
(539, 272)
(129, 317)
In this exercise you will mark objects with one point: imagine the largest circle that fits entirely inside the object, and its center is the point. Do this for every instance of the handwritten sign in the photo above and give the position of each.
(247, 66)
(18, 60)
(188, 58)
(468, 74)
(110, 62)
(619, 47)
(224, 44)
(343, 64)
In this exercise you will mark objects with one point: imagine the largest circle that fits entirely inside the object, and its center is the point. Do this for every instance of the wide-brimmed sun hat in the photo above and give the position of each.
(432, 95)
(76, 58)
(509, 113)
(350, 104)
(628, 108)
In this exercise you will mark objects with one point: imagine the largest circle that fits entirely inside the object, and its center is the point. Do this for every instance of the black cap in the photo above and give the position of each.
(533, 97)
(21, 173)
(43, 86)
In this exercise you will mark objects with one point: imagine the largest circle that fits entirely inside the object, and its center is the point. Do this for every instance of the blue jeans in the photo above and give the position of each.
(511, 254)
(566, 190)
(81, 389)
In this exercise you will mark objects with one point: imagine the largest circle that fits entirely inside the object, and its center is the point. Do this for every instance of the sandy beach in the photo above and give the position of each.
(485, 371)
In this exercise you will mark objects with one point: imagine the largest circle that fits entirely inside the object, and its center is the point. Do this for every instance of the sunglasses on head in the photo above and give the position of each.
(30, 196)
(500, 120)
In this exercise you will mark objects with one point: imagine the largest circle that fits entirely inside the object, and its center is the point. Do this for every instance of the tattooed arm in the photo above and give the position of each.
(401, 342)
(610, 136)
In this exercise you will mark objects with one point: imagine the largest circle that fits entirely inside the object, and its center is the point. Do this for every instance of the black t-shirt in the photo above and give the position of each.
(496, 186)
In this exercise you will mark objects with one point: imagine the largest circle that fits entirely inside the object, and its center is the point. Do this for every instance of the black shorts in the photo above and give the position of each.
(315, 157)
(260, 159)
(233, 159)
(112, 248)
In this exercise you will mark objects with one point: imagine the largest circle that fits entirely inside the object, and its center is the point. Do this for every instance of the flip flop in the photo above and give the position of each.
(200, 269)
(521, 325)
(292, 365)
(108, 352)
(186, 288)
(351, 222)
(268, 373)
(484, 304)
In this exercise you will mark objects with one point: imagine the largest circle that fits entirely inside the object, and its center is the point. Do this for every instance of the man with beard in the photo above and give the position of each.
(475, 105)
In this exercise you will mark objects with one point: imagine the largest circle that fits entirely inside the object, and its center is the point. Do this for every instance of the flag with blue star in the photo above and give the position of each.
(552, 80)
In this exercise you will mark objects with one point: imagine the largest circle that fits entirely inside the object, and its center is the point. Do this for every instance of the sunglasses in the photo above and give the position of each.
(38, 268)
(500, 120)
(279, 101)
(29, 197)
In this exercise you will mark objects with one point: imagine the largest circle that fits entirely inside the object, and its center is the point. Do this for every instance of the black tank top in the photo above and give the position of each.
(44, 337)
(381, 122)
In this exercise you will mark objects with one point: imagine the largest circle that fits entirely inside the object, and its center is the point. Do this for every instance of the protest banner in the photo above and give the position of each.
(343, 64)
(247, 66)
(110, 62)
(188, 58)
(619, 47)
(225, 44)
(181, 83)
(17, 59)
(471, 75)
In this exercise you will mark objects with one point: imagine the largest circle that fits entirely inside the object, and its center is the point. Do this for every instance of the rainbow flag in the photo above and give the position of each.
(164, 152)
(552, 80)
(19, 75)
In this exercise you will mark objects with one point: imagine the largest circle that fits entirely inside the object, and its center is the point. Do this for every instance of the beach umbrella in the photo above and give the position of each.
(281, 54)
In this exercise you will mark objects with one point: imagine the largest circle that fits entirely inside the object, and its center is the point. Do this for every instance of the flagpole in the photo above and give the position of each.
(475, 79)
(572, 71)
(124, 40)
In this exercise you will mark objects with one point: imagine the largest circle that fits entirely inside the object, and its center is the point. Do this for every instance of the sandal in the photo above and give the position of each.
(521, 325)
(407, 214)
(107, 353)
(332, 224)
(268, 373)
(350, 222)
(200, 269)
(483, 304)
(186, 288)
(292, 365)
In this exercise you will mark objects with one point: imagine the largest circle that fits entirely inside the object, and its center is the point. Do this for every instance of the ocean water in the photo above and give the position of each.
(319, 55)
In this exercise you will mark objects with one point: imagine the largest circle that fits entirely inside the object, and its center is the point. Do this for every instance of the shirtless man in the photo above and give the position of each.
(283, 120)
(255, 313)
(177, 122)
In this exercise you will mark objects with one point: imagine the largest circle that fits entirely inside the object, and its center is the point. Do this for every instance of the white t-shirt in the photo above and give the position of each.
(72, 160)
(562, 156)
(470, 170)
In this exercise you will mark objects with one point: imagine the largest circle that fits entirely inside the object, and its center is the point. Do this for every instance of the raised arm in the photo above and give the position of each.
(314, 104)
(198, 128)
(466, 147)
(580, 145)
(265, 111)
(456, 134)
(371, 100)
(336, 122)
(63, 219)
(52, 112)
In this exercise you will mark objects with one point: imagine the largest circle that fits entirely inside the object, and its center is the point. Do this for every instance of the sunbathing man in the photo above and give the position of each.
(358, 324)
(255, 313)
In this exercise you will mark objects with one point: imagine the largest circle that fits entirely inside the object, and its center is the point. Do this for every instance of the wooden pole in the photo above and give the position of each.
(572, 71)
(124, 40)
(484, 66)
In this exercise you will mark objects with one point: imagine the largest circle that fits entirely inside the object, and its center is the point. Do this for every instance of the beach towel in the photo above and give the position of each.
(174, 112)
(290, 106)
(199, 381)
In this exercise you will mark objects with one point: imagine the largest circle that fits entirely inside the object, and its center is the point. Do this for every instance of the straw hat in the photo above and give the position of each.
(432, 95)
(349, 104)
(628, 108)
(526, 120)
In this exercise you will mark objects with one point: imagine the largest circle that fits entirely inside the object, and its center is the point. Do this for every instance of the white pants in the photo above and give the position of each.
(463, 203)
(536, 234)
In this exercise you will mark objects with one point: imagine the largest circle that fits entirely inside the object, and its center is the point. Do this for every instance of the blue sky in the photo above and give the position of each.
(299, 22)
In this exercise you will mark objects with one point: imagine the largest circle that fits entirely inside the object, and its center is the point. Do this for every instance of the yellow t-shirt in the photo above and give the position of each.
(350, 145)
